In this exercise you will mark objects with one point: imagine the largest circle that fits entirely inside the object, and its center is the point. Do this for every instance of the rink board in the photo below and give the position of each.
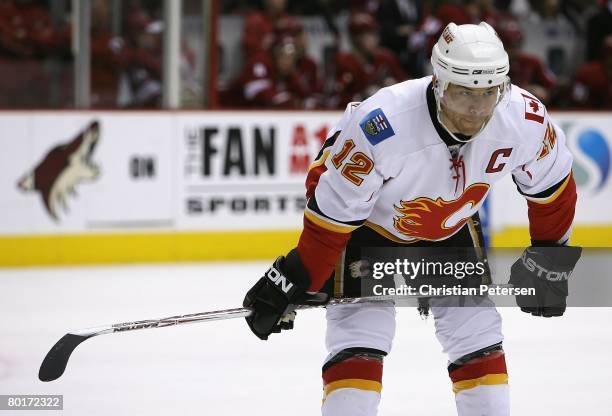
(165, 186)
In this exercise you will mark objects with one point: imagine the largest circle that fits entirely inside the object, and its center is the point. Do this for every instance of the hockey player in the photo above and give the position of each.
(411, 165)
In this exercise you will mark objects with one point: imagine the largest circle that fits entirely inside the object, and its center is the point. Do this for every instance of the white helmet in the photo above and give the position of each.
(471, 56)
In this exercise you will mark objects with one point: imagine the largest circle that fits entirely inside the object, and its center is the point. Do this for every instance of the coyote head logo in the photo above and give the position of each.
(62, 169)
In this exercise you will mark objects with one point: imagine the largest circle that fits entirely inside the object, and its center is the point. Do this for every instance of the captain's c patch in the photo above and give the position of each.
(376, 126)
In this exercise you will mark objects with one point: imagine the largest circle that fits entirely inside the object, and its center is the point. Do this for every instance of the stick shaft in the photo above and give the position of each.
(242, 313)
(182, 319)
(225, 314)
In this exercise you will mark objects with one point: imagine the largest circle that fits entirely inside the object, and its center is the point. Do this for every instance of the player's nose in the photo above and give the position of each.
(478, 110)
(479, 107)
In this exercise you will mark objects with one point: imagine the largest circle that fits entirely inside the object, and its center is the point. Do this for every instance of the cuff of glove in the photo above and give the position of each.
(558, 258)
(293, 267)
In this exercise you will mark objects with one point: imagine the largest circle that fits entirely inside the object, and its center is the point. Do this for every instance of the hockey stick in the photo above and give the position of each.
(55, 361)
(54, 364)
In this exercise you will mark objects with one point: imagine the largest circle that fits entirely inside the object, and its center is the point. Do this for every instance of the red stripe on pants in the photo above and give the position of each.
(356, 367)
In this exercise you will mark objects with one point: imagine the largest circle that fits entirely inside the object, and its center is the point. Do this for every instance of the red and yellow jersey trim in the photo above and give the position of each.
(319, 161)
(552, 197)
(551, 219)
(329, 224)
(387, 234)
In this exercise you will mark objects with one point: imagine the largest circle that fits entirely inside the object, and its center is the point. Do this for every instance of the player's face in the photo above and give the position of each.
(465, 110)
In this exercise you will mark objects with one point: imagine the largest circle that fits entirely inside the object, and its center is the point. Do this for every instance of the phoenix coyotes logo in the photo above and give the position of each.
(64, 167)
(426, 219)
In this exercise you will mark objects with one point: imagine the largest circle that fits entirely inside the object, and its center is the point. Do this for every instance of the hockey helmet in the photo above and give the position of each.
(469, 56)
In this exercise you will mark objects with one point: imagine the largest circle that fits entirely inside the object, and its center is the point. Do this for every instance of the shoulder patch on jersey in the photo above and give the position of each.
(376, 126)
(534, 109)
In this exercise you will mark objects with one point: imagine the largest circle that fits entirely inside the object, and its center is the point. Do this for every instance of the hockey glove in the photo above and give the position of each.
(274, 296)
(545, 269)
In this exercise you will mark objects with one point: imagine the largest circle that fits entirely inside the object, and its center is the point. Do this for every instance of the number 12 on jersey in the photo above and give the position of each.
(360, 165)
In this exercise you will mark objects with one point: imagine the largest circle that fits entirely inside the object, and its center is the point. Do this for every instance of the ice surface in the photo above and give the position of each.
(557, 366)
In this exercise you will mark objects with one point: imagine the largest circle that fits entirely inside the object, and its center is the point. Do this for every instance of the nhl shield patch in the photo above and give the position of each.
(376, 126)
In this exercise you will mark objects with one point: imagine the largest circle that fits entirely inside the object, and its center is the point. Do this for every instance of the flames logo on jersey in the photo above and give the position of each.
(62, 169)
(426, 219)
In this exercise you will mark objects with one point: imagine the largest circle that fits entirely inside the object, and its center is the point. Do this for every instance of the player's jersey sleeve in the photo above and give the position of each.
(546, 181)
(342, 187)
(348, 188)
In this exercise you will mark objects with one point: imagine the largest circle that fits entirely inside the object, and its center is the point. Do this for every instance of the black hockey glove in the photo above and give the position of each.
(274, 296)
(546, 269)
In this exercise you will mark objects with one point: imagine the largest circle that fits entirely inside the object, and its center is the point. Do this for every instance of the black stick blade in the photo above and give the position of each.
(55, 362)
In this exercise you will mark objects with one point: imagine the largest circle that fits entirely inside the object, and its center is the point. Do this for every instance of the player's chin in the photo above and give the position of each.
(470, 128)
(469, 131)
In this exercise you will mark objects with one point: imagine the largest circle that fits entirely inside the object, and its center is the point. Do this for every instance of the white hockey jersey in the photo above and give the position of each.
(386, 165)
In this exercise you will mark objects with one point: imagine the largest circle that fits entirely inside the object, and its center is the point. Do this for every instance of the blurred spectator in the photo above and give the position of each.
(367, 67)
(26, 29)
(526, 71)
(270, 81)
(579, 12)
(142, 60)
(142, 63)
(305, 66)
(598, 27)
(363, 6)
(258, 32)
(106, 58)
(399, 23)
(460, 13)
(592, 87)
(27, 38)
(468, 11)
(550, 35)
